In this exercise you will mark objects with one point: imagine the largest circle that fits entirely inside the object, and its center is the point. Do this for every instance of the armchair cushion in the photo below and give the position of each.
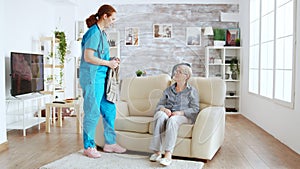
(211, 91)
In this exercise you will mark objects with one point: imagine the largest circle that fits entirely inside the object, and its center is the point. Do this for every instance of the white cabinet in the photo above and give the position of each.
(224, 62)
(22, 109)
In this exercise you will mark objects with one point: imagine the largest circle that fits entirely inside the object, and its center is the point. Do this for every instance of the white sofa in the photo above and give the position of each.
(134, 122)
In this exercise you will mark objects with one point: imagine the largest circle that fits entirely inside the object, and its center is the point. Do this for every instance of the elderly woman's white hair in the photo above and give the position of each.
(186, 70)
(175, 67)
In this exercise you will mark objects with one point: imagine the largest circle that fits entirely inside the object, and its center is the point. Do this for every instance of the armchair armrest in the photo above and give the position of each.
(208, 132)
(206, 123)
(122, 109)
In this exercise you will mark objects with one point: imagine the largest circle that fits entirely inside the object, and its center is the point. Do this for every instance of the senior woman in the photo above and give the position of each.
(179, 104)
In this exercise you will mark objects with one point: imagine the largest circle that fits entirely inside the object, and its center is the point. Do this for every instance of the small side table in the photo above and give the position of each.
(74, 104)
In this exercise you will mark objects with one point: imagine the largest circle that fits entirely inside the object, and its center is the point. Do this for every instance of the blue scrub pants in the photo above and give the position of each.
(94, 104)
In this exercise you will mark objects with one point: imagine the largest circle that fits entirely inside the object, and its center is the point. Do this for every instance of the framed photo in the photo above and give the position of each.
(231, 35)
(131, 36)
(79, 30)
(162, 31)
(193, 36)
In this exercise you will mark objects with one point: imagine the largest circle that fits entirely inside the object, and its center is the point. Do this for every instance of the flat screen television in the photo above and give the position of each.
(27, 73)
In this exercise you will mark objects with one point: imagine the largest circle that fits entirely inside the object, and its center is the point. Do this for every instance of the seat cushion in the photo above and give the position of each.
(137, 124)
(141, 124)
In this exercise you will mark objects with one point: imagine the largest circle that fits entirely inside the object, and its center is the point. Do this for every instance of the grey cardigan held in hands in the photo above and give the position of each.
(112, 85)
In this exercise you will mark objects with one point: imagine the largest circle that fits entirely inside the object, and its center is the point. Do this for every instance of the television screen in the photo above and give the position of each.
(27, 73)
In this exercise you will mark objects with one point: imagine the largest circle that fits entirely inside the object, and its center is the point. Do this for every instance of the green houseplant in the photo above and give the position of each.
(62, 50)
(62, 45)
(49, 58)
(139, 73)
(237, 42)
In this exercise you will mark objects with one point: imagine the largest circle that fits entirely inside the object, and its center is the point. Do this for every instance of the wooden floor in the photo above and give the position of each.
(246, 146)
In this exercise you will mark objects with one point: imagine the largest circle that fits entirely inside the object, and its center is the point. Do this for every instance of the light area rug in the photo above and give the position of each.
(119, 161)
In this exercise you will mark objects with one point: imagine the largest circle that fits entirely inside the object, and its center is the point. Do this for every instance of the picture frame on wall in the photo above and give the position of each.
(131, 36)
(79, 30)
(162, 31)
(193, 36)
(232, 34)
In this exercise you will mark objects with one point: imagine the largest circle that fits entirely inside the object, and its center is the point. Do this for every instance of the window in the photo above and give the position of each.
(271, 49)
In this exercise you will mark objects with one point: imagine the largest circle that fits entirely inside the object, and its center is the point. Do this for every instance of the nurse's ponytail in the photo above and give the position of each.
(104, 9)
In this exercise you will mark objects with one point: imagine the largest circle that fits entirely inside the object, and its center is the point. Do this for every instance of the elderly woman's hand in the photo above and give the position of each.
(178, 113)
(167, 111)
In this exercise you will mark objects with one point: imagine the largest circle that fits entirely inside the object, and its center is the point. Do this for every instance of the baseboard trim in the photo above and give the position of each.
(3, 146)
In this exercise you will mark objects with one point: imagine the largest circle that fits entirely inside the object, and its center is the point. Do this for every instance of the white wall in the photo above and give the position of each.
(279, 121)
(3, 136)
(65, 21)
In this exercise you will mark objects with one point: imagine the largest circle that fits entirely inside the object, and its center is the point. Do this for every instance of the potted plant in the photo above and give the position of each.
(219, 37)
(139, 73)
(237, 42)
(49, 58)
(49, 82)
(62, 50)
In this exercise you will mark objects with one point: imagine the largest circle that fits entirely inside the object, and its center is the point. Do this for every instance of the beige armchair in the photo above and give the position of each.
(134, 122)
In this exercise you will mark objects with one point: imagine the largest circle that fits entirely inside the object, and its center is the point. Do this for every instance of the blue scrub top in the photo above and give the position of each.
(94, 39)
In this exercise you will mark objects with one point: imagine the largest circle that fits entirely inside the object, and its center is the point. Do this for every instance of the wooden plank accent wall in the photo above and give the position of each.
(159, 55)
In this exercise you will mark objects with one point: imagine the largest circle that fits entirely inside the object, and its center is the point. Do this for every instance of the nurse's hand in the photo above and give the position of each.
(114, 63)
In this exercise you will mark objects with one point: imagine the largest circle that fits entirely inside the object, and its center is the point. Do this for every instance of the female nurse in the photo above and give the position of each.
(95, 61)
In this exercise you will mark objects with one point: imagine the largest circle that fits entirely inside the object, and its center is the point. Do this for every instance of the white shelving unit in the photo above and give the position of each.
(78, 89)
(52, 67)
(218, 64)
(23, 108)
(114, 40)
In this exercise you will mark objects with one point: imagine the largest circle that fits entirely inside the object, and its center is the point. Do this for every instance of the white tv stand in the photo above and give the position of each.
(22, 109)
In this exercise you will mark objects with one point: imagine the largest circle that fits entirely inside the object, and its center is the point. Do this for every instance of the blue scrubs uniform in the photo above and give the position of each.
(92, 80)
